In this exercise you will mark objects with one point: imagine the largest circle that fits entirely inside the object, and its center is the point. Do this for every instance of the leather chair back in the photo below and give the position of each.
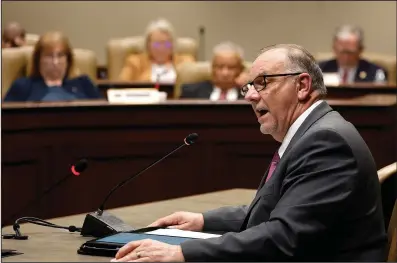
(119, 49)
(392, 236)
(31, 39)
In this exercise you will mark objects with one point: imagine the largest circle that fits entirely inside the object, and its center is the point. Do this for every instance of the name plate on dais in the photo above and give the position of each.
(136, 96)
(331, 79)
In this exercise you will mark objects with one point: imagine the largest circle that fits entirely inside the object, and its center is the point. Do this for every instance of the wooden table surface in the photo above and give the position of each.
(52, 245)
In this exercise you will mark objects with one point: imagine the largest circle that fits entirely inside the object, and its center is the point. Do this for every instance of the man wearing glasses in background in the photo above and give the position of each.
(348, 46)
(319, 199)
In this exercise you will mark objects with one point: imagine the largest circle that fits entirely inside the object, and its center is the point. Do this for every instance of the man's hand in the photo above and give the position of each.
(149, 251)
(181, 220)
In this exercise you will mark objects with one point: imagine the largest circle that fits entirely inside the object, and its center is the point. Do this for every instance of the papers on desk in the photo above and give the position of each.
(181, 233)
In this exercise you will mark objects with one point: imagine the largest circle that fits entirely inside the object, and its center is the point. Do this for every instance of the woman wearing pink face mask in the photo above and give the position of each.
(53, 76)
(158, 63)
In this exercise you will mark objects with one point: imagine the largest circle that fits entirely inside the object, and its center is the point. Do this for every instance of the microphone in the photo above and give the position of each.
(76, 170)
(158, 76)
(101, 223)
(202, 43)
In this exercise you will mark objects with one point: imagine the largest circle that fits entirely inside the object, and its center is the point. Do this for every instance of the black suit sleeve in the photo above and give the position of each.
(188, 91)
(92, 91)
(316, 189)
(225, 219)
(185, 94)
(18, 91)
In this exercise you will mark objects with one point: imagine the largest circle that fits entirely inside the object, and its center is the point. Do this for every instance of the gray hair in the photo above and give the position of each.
(300, 60)
(162, 25)
(228, 47)
(346, 30)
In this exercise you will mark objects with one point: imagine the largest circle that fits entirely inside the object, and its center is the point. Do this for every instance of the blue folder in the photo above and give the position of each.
(108, 246)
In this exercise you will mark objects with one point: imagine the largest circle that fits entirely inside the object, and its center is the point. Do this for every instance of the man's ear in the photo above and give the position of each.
(304, 86)
(361, 49)
(334, 45)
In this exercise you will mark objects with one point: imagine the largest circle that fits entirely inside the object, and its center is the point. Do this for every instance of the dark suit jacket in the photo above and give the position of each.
(200, 90)
(322, 203)
(369, 68)
(34, 89)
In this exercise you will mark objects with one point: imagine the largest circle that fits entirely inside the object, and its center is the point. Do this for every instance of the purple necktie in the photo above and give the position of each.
(275, 160)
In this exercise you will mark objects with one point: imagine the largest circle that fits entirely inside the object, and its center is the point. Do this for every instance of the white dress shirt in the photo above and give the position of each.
(294, 127)
(163, 74)
(380, 76)
(231, 95)
(351, 75)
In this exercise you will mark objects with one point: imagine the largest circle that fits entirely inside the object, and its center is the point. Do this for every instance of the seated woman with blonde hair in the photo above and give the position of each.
(53, 76)
(158, 63)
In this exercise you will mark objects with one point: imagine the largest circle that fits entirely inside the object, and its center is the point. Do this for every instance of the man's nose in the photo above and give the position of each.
(225, 71)
(252, 95)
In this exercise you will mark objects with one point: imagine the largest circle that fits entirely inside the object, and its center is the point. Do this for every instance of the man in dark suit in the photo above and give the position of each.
(227, 71)
(348, 46)
(318, 201)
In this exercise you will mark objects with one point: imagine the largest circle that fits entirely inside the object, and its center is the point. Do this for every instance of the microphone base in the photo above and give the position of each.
(13, 236)
(100, 225)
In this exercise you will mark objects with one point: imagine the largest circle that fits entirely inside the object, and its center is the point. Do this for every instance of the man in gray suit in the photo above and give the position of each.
(320, 197)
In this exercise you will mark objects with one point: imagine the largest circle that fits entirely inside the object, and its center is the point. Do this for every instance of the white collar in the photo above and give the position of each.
(231, 95)
(295, 126)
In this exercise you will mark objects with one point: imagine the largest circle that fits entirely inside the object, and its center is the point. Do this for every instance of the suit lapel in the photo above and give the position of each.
(361, 73)
(206, 90)
(70, 86)
(257, 197)
(145, 68)
(38, 89)
(322, 109)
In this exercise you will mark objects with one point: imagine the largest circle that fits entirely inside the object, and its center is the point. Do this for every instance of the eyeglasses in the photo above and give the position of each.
(348, 52)
(51, 57)
(259, 83)
(158, 44)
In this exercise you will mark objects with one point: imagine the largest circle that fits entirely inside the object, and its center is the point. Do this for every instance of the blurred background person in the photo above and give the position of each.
(226, 77)
(13, 35)
(348, 46)
(53, 76)
(158, 63)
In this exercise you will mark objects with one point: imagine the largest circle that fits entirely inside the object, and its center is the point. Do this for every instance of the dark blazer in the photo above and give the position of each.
(34, 89)
(322, 203)
(366, 71)
(200, 90)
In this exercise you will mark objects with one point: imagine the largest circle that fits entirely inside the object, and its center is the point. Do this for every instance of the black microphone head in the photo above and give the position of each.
(191, 138)
(79, 167)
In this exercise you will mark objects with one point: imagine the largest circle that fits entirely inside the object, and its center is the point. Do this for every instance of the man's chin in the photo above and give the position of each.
(266, 130)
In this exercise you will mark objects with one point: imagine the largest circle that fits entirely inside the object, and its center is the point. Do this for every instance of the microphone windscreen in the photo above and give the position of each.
(191, 138)
(79, 167)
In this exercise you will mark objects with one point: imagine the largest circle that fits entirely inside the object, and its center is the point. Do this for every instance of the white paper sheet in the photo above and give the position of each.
(181, 233)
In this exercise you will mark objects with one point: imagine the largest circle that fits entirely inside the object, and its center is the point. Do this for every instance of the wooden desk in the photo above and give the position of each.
(49, 244)
(41, 141)
(360, 89)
